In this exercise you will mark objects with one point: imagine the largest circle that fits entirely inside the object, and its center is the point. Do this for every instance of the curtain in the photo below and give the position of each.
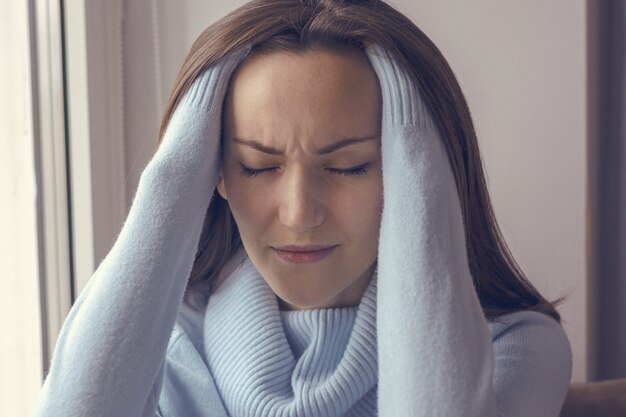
(607, 188)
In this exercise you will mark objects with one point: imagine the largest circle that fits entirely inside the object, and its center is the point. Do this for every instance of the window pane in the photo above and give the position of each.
(20, 345)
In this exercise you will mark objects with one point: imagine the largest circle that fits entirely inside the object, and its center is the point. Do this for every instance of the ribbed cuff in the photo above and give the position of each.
(211, 81)
(402, 103)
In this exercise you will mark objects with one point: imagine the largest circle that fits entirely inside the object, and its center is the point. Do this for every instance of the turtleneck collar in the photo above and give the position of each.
(319, 330)
(268, 362)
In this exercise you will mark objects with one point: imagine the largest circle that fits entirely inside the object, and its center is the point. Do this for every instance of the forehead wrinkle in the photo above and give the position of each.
(336, 145)
(292, 109)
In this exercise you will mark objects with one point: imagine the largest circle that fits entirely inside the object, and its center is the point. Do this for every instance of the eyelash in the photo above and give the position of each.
(359, 170)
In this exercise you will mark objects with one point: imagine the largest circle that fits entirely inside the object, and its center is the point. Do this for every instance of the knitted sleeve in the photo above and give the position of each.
(533, 364)
(436, 356)
(108, 360)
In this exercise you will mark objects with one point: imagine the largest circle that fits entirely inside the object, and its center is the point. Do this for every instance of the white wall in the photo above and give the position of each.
(20, 343)
(522, 67)
(157, 37)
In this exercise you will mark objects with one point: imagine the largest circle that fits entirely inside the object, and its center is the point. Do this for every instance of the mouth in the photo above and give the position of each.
(307, 248)
(304, 254)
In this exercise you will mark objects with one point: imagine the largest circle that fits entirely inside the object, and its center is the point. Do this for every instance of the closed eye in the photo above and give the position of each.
(358, 170)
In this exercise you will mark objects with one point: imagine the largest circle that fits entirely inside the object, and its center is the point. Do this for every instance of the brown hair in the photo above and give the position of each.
(288, 25)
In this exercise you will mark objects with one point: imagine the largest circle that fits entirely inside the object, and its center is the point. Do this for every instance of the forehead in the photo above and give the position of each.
(293, 92)
(302, 69)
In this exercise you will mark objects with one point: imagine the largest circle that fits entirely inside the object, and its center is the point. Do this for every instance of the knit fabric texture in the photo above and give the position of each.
(267, 362)
(417, 345)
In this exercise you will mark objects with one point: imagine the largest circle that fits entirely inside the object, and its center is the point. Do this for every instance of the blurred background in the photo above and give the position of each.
(83, 87)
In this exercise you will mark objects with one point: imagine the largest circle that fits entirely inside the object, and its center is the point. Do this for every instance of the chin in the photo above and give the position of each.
(301, 302)
(298, 293)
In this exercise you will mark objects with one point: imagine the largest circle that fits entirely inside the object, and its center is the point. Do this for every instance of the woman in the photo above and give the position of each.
(331, 251)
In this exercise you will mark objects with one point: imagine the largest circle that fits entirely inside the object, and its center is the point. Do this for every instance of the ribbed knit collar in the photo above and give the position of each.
(319, 330)
(268, 362)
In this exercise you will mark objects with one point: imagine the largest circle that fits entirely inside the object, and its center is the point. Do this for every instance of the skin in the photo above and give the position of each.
(297, 103)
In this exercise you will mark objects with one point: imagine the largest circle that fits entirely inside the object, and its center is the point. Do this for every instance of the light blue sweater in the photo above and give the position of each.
(333, 347)
(416, 345)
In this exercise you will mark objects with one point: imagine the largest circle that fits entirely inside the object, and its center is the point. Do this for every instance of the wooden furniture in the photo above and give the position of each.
(596, 399)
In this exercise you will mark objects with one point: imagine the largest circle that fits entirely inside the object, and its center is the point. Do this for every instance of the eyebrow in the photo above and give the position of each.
(323, 151)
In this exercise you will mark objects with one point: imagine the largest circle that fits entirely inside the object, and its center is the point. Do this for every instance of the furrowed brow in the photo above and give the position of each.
(323, 151)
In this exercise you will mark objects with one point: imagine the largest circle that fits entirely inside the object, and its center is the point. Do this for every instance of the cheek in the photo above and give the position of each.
(360, 210)
(249, 207)
(372, 213)
(249, 204)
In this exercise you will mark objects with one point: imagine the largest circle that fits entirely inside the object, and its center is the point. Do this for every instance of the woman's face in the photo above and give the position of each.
(283, 114)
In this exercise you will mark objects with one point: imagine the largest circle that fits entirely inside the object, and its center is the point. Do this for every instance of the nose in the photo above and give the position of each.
(301, 205)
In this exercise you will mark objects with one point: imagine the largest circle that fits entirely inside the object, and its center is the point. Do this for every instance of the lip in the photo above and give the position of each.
(304, 254)
(308, 248)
